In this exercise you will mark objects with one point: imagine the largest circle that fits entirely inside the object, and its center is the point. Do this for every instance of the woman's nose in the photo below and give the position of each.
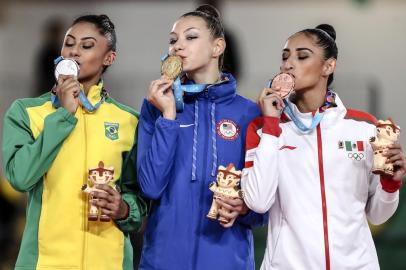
(74, 51)
(286, 66)
(178, 46)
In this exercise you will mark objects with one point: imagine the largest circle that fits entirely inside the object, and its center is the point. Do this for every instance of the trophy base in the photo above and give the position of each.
(383, 172)
(92, 217)
(223, 220)
(105, 218)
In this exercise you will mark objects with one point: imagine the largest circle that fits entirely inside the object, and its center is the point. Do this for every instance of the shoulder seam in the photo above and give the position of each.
(33, 102)
(123, 107)
(360, 116)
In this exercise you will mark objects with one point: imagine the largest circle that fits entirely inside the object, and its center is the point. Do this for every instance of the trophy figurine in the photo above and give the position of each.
(387, 133)
(98, 176)
(227, 184)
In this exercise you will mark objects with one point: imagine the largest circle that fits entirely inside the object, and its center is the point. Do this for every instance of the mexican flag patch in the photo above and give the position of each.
(351, 146)
(354, 149)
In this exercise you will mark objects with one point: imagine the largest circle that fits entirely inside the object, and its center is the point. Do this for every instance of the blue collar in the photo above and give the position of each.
(218, 92)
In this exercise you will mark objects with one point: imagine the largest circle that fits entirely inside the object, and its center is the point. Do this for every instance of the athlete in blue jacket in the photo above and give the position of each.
(179, 153)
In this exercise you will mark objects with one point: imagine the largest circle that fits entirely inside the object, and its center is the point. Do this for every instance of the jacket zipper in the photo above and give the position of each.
(323, 197)
(85, 204)
(202, 182)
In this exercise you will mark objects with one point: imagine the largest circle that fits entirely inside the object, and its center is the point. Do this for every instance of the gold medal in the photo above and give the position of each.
(171, 67)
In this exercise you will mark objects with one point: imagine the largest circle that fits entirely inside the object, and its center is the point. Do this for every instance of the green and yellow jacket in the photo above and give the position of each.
(47, 153)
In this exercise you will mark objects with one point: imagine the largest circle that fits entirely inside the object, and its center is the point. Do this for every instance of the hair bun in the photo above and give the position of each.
(328, 29)
(209, 10)
(106, 21)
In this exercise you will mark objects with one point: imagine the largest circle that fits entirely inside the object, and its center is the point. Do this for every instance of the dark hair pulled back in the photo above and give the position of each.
(212, 18)
(325, 36)
(105, 26)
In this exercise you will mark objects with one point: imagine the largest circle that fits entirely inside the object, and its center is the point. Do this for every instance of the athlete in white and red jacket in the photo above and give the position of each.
(316, 182)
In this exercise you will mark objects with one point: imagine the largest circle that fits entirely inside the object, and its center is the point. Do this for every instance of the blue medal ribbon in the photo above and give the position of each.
(188, 89)
(59, 59)
(179, 90)
(289, 111)
(315, 121)
(84, 101)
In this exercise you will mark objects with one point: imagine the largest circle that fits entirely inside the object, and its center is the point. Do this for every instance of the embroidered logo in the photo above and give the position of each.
(228, 129)
(111, 130)
(354, 149)
(287, 147)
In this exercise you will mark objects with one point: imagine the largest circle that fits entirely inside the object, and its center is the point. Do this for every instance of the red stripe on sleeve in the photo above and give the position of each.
(252, 139)
(361, 116)
(271, 126)
(390, 185)
(249, 164)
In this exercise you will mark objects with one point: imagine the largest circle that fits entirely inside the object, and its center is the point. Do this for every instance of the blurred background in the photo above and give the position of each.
(371, 38)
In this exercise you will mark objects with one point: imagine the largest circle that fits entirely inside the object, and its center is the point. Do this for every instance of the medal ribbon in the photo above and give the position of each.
(187, 89)
(83, 101)
(315, 121)
(329, 102)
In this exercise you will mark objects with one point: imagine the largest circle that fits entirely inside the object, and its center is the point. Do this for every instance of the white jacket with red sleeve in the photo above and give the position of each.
(318, 189)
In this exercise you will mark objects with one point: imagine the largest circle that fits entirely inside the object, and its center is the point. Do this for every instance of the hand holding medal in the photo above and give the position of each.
(67, 90)
(171, 69)
(271, 98)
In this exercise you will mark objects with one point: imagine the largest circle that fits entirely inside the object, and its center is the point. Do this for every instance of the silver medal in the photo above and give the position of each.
(66, 67)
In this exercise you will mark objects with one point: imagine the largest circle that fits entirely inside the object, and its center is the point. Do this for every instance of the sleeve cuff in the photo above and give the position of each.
(271, 126)
(133, 220)
(166, 123)
(389, 185)
(252, 219)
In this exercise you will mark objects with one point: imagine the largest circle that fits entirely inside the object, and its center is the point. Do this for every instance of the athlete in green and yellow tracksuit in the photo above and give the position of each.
(47, 153)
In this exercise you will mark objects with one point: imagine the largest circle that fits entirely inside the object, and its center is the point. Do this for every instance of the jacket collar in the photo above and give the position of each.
(330, 118)
(221, 91)
(95, 93)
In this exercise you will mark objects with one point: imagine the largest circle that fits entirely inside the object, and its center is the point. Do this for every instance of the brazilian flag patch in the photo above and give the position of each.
(111, 130)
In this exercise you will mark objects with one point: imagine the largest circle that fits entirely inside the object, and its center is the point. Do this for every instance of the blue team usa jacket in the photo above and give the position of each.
(176, 162)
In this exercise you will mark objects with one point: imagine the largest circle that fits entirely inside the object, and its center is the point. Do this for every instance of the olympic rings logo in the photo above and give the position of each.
(356, 156)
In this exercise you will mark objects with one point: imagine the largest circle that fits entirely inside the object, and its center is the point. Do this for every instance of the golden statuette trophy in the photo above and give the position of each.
(98, 176)
(387, 133)
(227, 184)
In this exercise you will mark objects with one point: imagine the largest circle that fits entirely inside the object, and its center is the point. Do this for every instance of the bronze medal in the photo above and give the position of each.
(286, 82)
(171, 67)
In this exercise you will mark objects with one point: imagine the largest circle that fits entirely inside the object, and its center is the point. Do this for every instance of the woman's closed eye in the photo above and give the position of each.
(191, 37)
(87, 46)
(285, 56)
(303, 57)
